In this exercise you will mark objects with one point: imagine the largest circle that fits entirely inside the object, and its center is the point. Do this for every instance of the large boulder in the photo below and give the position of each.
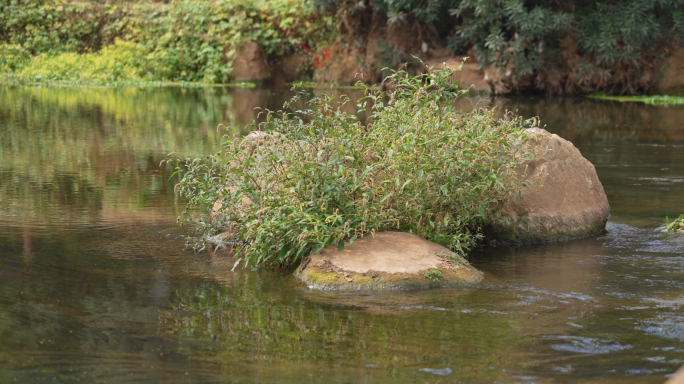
(250, 64)
(565, 201)
(388, 260)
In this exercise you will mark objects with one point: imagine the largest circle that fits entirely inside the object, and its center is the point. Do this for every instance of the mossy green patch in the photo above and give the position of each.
(329, 278)
(322, 277)
(653, 100)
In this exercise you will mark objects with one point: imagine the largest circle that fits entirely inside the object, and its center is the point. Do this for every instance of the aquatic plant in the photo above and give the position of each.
(319, 176)
(676, 225)
(434, 275)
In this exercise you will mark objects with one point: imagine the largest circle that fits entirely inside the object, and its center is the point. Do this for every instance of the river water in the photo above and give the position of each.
(96, 285)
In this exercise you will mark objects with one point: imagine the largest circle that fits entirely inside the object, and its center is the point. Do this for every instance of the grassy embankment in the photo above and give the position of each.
(117, 42)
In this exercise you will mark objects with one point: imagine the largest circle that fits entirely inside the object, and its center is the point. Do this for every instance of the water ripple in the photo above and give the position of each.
(588, 345)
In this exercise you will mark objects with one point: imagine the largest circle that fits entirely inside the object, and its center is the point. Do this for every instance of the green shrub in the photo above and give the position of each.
(575, 46)
(121, 62)
(676, 225)
(179, 40)
(12, 57)
(503, 32)
(45, 25)
(320, 176)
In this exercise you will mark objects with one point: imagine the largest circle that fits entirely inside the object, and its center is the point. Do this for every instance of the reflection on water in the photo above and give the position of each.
(96, 286)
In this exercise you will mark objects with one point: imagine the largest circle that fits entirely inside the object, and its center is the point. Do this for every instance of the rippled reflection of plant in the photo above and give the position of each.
(323, 177)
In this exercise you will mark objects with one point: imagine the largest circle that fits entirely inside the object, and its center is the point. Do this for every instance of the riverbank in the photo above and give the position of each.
(118, 41)
(277, 42)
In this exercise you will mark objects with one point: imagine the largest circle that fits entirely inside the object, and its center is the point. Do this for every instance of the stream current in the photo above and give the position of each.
(96, 285)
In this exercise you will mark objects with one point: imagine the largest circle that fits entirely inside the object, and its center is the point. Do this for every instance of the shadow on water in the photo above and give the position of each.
(96, 285)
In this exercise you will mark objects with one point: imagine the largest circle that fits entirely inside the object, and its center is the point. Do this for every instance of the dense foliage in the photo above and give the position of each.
(561, 46)
(676, 225)
(320, 176)
(576, 46)
(186, 40)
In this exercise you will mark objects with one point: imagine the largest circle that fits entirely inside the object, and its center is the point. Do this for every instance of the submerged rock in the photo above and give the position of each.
(566, 200)
(388, 260)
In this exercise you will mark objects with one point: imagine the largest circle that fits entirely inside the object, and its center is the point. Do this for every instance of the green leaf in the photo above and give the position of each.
(340, 246)
(284, 250)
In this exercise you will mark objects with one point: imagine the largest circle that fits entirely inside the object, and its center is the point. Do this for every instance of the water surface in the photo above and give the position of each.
(96, 285)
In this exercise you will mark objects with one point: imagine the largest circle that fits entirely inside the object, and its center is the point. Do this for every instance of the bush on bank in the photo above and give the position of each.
(320, 176)
(120, 62)
(178, 40)
(571, 47)
(576, 46)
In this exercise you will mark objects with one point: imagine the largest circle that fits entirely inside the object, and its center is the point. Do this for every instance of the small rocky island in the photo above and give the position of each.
(565, 201)
(357, 205)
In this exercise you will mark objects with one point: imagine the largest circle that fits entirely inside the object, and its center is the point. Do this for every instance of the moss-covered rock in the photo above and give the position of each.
(388, 260)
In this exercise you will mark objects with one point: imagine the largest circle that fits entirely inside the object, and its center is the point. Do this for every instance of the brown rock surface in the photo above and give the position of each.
(566, 200)
(342, 69)
(677, 377)
(250, 64)
(389, 260)
(468, 76)
(672, 81)
(296, 65)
